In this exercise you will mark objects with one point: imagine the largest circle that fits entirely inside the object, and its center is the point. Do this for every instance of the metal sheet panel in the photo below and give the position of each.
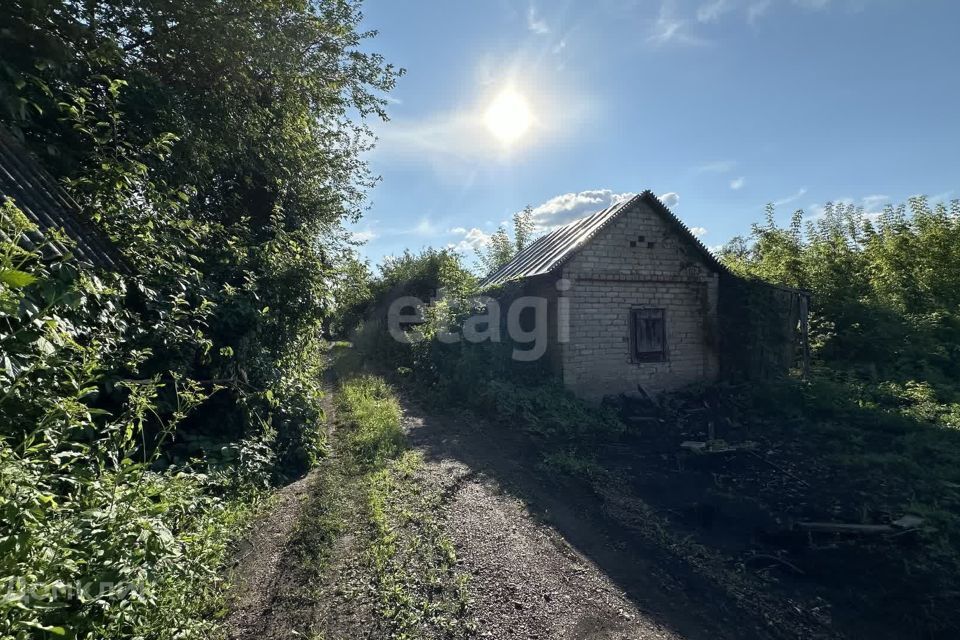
(548, 252)
(35, 193)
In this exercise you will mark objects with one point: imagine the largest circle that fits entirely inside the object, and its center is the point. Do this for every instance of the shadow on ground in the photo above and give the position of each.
(674, 582)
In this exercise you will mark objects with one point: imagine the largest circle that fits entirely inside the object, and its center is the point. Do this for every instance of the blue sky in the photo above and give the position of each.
(720, 106)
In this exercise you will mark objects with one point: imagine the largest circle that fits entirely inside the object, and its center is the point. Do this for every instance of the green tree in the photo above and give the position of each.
(500, 249)
(886, 288)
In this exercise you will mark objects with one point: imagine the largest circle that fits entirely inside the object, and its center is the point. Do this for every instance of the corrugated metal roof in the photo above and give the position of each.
(36, 193)
(548, 252)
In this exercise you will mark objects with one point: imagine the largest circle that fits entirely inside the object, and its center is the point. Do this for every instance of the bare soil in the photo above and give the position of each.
(261, 563)
(546, 557)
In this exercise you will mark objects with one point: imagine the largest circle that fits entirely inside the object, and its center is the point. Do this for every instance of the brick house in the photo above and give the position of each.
(643, 298)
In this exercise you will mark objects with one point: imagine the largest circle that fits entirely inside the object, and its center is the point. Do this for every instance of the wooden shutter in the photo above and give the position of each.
(649, 335)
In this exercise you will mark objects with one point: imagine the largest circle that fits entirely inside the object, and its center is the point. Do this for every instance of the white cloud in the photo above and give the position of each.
(718, 166)
(472, 239)
(670, 199)
(710, 11)
(457, 231)
(536, 24)
(363, 236)
(698, 231)
(570, 206)
(737, 183)
(791, 198)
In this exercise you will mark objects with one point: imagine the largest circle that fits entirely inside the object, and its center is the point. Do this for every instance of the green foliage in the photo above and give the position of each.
(881, 411)
(227, 203)
(501, 249)
(429, 275)
(218, 146)
(370, 414)
(885, 288)
(96, 541)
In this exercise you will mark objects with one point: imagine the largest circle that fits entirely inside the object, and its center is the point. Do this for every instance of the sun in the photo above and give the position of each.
(508, 117)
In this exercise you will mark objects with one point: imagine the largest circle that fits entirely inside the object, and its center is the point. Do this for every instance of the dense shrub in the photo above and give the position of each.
(96, 541)
(886, 289)
(218, 146)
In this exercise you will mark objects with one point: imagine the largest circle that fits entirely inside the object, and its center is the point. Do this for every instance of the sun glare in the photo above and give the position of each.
(508, 117)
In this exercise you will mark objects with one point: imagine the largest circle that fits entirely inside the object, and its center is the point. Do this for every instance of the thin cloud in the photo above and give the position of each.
(756, 10)
(870, 203)
(457, 145)
(717, 166)
(698, 231)
(791, 198)
(737, 183)
(536, 24)
(672, 29)
(711, 11)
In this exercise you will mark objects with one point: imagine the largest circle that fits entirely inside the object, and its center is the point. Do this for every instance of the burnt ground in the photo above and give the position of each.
(652, 541)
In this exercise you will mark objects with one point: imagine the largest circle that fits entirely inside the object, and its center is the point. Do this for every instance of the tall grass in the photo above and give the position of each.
(370, 417)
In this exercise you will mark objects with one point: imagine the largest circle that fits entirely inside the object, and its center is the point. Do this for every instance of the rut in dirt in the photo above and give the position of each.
(528, 558)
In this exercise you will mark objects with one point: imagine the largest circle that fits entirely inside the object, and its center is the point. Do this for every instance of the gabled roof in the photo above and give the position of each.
(35, 192)
(549, 252)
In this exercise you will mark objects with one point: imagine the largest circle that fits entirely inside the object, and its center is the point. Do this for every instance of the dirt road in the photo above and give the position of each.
(533, 559)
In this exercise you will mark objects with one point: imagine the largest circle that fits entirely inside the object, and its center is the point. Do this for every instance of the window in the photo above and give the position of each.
(648, 335)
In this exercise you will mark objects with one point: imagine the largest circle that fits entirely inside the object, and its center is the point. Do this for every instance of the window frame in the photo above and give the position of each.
(648, 356)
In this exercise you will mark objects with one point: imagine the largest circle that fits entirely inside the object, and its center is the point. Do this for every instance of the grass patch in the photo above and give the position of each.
(419, 591)
(370, 416)
(412, 563)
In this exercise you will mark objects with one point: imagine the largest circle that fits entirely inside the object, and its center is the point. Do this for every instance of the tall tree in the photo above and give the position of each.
(500, 249)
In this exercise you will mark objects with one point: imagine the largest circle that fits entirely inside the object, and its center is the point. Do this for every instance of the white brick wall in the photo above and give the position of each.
(608, 279)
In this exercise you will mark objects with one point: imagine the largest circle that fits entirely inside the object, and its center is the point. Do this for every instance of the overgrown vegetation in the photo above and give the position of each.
(501, 248)
(881, 412)
(370, 416)
(143, 411)
(481, 377)
(419, 593)
(872, 434)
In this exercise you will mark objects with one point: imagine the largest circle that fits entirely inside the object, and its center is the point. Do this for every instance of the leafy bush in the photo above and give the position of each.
(886, 289)
(95, 540)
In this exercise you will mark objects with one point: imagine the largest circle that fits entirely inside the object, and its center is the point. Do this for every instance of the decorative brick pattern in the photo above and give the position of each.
(609, 277)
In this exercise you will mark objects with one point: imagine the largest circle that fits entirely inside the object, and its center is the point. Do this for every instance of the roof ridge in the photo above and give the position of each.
(551, 250)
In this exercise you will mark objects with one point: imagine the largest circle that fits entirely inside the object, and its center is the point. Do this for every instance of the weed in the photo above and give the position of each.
(370, 416)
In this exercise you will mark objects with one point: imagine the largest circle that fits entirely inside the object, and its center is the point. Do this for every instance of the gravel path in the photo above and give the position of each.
(526, 580)
(528, 583)
(540, 560)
